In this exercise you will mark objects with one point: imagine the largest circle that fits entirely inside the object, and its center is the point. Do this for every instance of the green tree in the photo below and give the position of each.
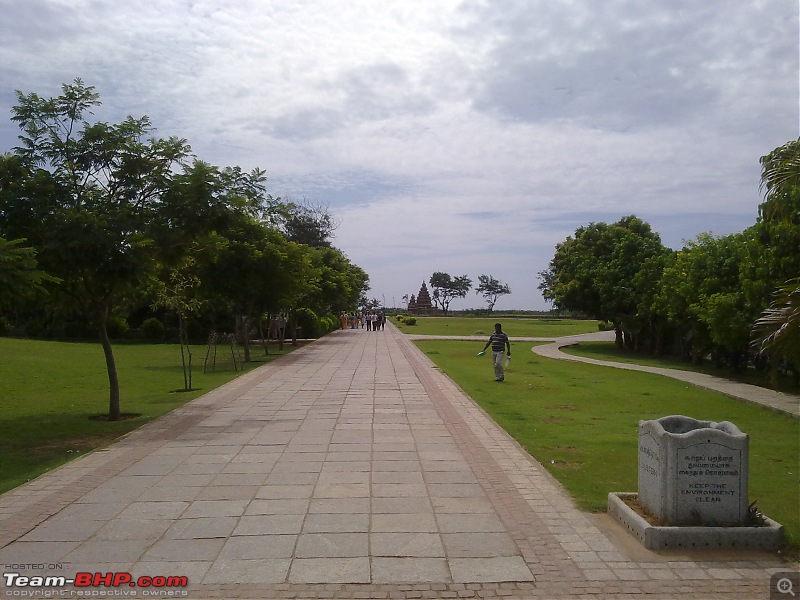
(26, 193)
(776, 332)
(340, 285)
(20, 276)
(308, 224)
(651, 311)
(246, 265)
(780, 178)
(177, 292)
(770, 257)
(93, 229)
(491, 289)
(594, 272)
(294, 276)
(204, 199)
(445, 289)
(253, 269)
(703, 300)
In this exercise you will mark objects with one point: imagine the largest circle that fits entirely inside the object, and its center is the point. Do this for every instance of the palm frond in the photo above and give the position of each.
(777, 331)
(780, 169)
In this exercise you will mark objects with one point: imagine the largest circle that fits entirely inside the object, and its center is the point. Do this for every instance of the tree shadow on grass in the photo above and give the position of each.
(122, 417)
(34, 444)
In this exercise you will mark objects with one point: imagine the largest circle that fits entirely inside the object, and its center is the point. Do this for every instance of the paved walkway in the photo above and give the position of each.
(788, 403)
(350, 468)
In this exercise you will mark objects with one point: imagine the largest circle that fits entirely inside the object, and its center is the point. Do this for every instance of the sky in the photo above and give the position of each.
(468, 137)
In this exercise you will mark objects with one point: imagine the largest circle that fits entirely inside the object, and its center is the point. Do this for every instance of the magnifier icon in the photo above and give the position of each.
(784, 586)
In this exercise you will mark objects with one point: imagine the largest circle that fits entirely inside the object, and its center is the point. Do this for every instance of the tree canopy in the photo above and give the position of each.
(707, 299)
(777, 330)
(491, 289)
(446, 288)
(20, 277)
(593, 272)
(125, 220)
(93, 228)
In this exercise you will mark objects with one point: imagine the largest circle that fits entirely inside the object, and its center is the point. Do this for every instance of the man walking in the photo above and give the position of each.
(498, 340)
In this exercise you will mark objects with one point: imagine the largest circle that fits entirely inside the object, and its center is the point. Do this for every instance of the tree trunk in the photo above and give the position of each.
(185, 350)
(618, 340)
(630, 340)
(658, 344)
(243, 327)
(111, 367)
(265, 340)
(232, 340)
(189, 352)
(697, 356)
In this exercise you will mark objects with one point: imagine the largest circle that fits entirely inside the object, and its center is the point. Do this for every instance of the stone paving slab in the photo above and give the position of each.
(351, 468)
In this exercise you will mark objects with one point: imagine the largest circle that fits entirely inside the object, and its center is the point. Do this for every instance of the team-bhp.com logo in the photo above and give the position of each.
(89, 584)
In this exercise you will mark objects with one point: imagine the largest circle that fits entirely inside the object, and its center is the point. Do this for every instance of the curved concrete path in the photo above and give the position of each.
(788, 403)
(350, 468)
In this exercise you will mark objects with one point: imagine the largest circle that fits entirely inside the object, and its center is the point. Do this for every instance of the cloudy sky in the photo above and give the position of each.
(461, 136)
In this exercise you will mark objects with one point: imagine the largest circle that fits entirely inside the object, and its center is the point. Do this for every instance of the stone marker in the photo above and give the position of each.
(693, 472)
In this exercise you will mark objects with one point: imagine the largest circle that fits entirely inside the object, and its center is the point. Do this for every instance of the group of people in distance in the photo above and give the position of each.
(371, 321)
(375, 321)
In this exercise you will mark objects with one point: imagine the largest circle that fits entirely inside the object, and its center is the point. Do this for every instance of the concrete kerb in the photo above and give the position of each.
(654, 537)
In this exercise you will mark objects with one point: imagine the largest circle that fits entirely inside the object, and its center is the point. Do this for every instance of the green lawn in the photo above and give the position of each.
(49, 392)
(609, 351)
(514, 327)
(580, 421)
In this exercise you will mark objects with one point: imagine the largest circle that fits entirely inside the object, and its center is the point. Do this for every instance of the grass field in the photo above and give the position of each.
(580, 421)
(609, 351)
(49, 392)
(525, 327)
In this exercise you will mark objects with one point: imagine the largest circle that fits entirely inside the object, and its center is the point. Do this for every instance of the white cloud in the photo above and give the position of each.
(468, 137)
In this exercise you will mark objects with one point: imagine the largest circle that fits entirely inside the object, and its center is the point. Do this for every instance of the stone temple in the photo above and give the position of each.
(421, 305)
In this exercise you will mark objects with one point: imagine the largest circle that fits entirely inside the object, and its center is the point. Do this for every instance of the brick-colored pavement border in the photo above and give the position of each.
(576, 559)
(565, 550)
(25, 507)
(545, 556)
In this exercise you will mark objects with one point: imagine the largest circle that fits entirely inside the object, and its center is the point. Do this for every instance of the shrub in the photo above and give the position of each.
(117, 327)
(410, 321)
(308, 321)
(328, 324)
(153, 329)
